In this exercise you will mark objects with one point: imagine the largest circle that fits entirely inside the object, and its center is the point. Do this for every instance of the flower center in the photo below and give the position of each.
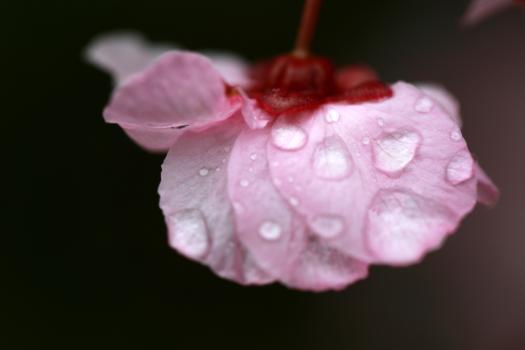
(290, 84)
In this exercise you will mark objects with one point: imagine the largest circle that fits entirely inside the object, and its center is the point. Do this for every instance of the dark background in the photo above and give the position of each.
(85, 263)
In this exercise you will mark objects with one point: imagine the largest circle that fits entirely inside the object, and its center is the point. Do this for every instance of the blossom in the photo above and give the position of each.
(305, 189)
(479, 10)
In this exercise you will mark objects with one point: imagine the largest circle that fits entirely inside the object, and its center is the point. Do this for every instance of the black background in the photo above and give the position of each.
(86, 263)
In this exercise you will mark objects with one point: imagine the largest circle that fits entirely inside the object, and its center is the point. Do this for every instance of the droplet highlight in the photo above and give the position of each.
(270, 231)
(331, 159)
(288, 137)
(332, 116)
(460, 168)
(394, 151)
(423, 105)
(188, 233)
(327, 226)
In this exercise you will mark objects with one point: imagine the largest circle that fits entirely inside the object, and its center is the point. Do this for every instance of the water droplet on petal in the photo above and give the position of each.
(288, 137)
(331, 159)
(326, 226)
(253, 156)
(380, 122)
(456, 135)
(270, 230)
(332, 116)
(365, 140)
(204, 171)
(244, 183)
(394, 151)
(460, 168)
(294, 201)
(188, 233)
(423, 105)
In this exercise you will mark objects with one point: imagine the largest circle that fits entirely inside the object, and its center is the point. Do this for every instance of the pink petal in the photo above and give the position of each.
(255, 117)
(123, 54)
(479, 10)
(348, 166)
(488, 193)
(446, 100)
(196, 205)
(180, 89)
(265, 222)
(157, 140)
(232, 68)
(321, 268)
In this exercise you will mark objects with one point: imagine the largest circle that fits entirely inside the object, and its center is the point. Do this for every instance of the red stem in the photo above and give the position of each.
(307, 27)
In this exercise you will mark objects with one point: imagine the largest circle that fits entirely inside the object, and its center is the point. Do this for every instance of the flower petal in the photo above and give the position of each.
(488, 193)
(255, 117)
(479, 10)
(321, 268)
(232, 68)
(266, 224)
(357, 169)
(180, 89)
(446, 100)
(123, 54)
(196, 205)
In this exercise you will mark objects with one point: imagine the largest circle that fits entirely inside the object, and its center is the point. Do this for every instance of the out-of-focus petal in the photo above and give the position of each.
(123, 54)
(232, 68)
(266, 224)
(381, 182)
(156, 140)
(488, 193)
(196, 205)
(180, 89)
(479, 10)
(447, 101)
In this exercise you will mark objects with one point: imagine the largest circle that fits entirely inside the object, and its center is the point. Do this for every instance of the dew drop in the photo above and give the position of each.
(288, 137)
(394, 151)
(270, 230)
(326, 226)
(455, 135)
(331, 159)
(294, 201)
(365, 140)
(423, 105)
(204, 171)
(244, 183)
(253, 156)
(188, 233)
(332, 116)
(460, 168)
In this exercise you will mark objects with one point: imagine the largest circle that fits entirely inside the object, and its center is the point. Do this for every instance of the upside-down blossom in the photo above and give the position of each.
(306, 186)
(478, 10)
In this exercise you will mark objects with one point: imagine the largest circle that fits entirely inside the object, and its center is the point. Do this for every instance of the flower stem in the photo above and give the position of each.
(307, 27)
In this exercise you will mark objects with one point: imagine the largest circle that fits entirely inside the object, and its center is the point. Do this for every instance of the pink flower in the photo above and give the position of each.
(479, 10)
(264, 187)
